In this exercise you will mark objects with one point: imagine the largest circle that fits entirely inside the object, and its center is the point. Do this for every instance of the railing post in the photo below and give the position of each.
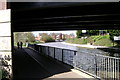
(96, 65)
(34, 46)
(62, 55)
(39, 48)
(118, 69)
(74, 63)
(48, 50)
(75, 52)
(54, 52)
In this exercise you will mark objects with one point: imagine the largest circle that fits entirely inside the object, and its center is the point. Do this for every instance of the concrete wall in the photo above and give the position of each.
(5, 36)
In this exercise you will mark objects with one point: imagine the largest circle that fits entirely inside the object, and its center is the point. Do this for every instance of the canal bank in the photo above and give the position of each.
(112, 51)
(86, 46)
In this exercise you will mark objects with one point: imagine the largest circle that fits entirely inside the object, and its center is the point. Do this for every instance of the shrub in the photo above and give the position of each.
(47, 38)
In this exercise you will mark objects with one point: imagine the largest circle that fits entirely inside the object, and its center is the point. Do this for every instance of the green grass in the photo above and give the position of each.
(99, 37)
(77, 41)
(104, 42)
(99, 40)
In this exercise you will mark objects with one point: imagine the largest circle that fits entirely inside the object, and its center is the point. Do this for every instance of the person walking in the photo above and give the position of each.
(21, 45)
(18, 45)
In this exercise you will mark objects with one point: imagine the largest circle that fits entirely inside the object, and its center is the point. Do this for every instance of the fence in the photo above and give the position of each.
(99, 66)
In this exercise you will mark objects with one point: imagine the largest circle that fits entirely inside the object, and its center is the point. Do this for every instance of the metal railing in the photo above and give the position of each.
(99, 66)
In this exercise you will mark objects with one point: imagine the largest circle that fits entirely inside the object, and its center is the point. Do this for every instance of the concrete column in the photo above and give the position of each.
(5, 39)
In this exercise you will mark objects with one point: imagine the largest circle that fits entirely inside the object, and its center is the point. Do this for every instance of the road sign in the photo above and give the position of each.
(116, 38)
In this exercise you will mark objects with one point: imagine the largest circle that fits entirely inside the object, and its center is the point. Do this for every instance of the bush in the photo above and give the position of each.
(47, 38)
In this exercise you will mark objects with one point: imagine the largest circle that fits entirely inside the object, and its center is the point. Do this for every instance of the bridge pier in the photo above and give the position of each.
(5, 42)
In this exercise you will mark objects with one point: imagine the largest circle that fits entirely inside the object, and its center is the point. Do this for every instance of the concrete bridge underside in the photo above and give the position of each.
(38, 16)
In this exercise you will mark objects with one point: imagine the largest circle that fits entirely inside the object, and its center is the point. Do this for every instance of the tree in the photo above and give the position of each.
(47, 38)
(113, 33)
(30, 37)
(92, 32)
(79, 33)
(23, 36)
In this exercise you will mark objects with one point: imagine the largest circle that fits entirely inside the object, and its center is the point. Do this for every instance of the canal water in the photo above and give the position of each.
(103, 51)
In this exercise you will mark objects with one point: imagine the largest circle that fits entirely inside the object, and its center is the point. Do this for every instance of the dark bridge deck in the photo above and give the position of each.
(29, 65)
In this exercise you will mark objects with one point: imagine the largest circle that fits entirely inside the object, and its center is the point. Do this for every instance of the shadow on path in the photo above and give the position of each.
(26, 68)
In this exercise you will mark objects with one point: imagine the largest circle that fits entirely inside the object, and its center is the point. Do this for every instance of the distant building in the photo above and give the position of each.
(53, 35)
(69, 36)
(56, 36)
(72, 35)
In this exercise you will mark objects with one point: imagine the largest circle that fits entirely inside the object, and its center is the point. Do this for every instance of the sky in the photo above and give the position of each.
(64, 32)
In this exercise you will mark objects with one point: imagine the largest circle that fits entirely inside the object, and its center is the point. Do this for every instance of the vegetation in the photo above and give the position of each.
(77, 41)
(36, 42)
(99, 37)
(23, 37)
(79, 33)
(113, 33)
(47, 38)
(96, 37)
(90, 40)
(5, 73)
(92, 32)
(104, 42)
(98, 40)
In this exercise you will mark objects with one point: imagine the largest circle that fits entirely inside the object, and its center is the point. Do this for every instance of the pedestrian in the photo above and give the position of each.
(21, 45)
(18, 45)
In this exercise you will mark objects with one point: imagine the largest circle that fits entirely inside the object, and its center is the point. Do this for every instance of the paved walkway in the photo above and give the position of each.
(30, 65)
